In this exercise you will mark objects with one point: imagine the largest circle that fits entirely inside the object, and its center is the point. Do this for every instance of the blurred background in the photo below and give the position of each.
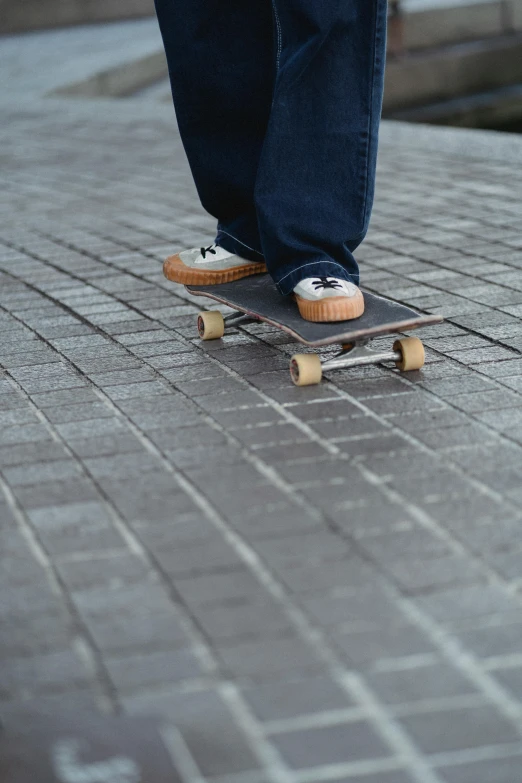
(451, 62)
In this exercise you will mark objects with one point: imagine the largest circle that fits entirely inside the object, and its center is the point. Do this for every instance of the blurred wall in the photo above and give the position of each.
(22, 15)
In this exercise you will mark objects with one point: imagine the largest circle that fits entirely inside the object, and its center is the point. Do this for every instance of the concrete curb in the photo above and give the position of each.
(119, 81)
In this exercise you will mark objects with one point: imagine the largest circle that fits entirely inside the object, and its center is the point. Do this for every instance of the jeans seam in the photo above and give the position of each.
(279, 35)
(311, 263)
(222, 231)
(370, 113)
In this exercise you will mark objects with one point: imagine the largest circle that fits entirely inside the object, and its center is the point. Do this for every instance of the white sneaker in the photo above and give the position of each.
(209, 265)
(328, 299)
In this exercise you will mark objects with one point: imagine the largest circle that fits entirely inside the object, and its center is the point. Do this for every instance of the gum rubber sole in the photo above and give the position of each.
(333, 308)
(174, 269)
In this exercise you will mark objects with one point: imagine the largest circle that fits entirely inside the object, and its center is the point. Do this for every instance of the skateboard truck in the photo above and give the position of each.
(306, 369)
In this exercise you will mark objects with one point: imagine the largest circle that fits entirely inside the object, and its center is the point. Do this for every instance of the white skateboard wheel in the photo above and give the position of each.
(306, 369)
(211, 325)
(412, 353)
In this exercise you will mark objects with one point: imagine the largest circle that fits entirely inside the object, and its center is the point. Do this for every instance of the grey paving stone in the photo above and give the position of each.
(380, 777)
(269, 659)
(234, 586)
(320, 410)
(417, 542)
(56, 470)
(254, 417)
(188, 528)
(503, 481)
(230, 503)
(149, 422)
(459, 729)
(76, 396)
(328, 472)
(214, 739)
(75, 430)
(501, 770)
(48, 672)
(117, 377)
(357, 426)
(329, 745)
(294, 698)
(145, 631)
(75, 700)
(424, 464)
(507, 564)
(97, 569)
(11, 401)
(146, 670)
(389, 443)
(177, 371)
(493, 639)
(349, 574)
(421, 575)
(122, 466)
(461, 511)
(36, 634)
(364, 647)
(465, 602)
(511, 679)
(72, 514)
(54, 493)
(462, 436)
(365, 519)
(136, 390)
(81, 540)
(366, 609)
(273, 521)
(507, 368)
(17, 416)
(105, 445)
(493, 353)
(292, 549)
(23, 433)
(217, 386)
(403, 403)
(100, 364)
(215, 556)
(188, 458)
(249, 620)
(420, 683)
(488, 400)
(78, 412)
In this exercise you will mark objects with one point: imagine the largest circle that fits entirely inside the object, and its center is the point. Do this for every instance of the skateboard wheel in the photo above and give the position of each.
(211, 325)
(305, 369)
(412, 353)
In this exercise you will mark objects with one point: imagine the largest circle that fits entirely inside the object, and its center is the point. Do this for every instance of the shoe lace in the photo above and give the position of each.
(326, 282)
(209, 249)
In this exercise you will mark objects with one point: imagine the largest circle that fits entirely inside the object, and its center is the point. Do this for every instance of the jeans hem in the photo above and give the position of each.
(234, 245)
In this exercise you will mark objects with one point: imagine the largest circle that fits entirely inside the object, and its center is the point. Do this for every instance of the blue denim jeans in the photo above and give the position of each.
(278, 105)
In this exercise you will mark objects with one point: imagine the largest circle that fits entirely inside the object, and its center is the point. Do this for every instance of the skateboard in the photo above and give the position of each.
(256, 298)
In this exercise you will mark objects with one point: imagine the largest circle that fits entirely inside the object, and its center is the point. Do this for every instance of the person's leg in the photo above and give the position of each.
(221, 67)
(315, 180)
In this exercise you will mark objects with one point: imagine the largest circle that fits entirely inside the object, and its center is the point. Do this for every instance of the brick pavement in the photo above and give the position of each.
(315, 584)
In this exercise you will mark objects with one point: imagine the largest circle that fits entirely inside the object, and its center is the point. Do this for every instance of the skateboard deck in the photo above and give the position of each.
(257, 297)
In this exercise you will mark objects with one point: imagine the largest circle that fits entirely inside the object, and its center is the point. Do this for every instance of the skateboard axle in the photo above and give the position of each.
(360, 354)
(234, 319)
